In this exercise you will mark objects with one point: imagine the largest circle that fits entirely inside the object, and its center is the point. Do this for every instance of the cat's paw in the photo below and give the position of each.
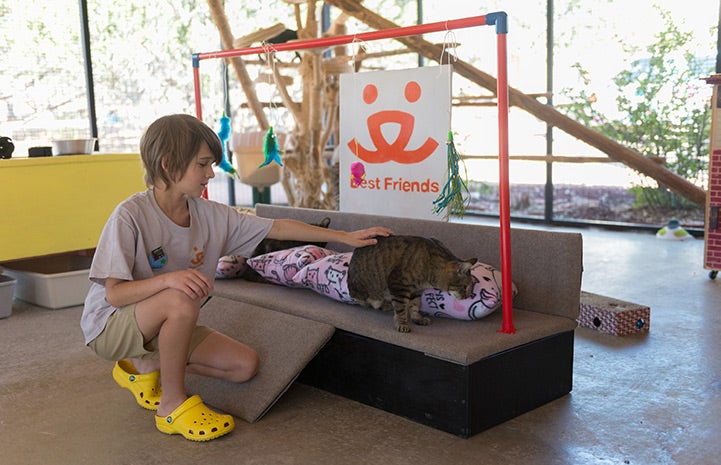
(377, 304)
(422, 321)
(403, 328)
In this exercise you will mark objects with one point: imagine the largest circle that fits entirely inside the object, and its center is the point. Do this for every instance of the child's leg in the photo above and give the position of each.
(220, 356)
(171, 316)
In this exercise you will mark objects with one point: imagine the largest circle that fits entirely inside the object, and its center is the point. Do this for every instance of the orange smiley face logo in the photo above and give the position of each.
(397, 150)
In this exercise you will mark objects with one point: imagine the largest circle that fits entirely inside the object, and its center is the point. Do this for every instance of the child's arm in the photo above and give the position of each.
(192, 282)
(284, 229)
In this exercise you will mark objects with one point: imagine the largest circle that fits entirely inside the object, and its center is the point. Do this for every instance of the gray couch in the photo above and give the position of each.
(457, 376)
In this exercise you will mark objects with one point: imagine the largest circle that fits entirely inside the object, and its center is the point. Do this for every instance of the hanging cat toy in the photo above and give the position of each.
(454, 196)
(224, 135)
(271, 151)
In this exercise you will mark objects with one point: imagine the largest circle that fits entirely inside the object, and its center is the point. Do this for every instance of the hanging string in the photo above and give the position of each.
(271, 150)
(449, 41)
(454, 196)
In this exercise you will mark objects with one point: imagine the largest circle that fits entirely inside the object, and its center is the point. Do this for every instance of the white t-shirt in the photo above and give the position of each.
(139, 241)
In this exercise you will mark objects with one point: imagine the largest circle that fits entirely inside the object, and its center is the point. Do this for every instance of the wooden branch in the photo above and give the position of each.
(260, 35)
(335, 67)
(298, 21)
(270, 78)
(311, 22)
(338, 27)
(315, 121)
(292, 106)
(217, 11)
(610, 147)
(331, 116)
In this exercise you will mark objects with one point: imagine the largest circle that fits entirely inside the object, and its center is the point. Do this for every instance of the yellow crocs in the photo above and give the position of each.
(145, 387)
(195, 421)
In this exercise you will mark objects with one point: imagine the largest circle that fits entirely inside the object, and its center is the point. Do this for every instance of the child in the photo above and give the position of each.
(153, 269)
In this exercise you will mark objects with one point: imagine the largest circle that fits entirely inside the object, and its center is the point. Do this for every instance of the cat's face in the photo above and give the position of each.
(460, 282)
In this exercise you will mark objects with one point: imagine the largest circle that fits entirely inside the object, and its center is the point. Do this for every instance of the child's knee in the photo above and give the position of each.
(247, 367)
(181, 305)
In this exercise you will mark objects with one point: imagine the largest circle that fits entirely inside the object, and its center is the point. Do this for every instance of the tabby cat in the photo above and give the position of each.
(274, 245)
(393, 274)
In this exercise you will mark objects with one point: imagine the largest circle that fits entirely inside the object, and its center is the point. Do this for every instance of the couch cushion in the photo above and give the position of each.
(461, 342)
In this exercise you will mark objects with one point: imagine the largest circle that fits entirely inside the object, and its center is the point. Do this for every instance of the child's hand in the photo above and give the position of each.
(192, 282)
(364, 237)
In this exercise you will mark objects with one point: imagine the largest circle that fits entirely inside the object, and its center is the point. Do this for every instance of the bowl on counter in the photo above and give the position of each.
(73, 146)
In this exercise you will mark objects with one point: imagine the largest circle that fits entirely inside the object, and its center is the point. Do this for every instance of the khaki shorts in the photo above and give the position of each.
(122, 338)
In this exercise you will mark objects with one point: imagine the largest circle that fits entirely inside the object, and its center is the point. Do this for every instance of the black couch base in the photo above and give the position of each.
(461, 400)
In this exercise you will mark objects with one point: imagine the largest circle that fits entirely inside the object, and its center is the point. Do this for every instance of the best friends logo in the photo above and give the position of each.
(397, 150)
(393, 129)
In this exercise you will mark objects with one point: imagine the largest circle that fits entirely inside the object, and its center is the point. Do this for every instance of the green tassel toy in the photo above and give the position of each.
(454, 196)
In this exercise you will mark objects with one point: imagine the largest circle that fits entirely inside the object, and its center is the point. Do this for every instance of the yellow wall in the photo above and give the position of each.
(59, 204)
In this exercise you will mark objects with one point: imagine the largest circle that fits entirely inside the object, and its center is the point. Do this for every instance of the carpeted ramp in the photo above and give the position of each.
(285, 344)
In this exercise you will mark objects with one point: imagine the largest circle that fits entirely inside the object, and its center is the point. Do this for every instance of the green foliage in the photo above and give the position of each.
(661, 110)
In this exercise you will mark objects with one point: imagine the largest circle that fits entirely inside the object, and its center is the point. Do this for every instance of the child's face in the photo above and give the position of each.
(199, 172)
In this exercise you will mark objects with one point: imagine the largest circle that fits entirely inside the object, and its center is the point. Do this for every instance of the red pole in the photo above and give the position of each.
(196, 87)
(349, 38)
(504, 195)
(198, 103)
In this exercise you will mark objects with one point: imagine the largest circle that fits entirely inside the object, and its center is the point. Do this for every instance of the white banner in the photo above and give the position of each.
(393, 131)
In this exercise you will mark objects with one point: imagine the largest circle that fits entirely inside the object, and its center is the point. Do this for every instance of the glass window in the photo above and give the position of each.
(43, 94)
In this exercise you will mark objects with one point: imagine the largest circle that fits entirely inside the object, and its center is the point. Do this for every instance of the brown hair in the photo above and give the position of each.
(171, 143)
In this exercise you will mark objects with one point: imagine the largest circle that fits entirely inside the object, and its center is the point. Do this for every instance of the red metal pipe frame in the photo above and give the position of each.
(326, 42)
(502, 92)
(504, 206)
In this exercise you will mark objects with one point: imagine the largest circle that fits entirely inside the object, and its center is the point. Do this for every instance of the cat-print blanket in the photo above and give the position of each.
(326, 272)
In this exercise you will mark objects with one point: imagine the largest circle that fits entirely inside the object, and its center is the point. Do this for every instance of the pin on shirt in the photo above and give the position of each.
(158, 258)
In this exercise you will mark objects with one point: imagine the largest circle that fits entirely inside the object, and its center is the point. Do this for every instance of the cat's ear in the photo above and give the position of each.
(465, 266)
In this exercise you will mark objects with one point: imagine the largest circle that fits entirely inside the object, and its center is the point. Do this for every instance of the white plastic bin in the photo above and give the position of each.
(53, 282)
(7, 288)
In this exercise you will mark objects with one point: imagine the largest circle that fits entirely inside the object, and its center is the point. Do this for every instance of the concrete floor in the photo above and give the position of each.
(648, 399)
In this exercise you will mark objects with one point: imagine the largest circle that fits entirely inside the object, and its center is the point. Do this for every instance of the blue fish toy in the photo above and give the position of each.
(271, 149)
(224, 135)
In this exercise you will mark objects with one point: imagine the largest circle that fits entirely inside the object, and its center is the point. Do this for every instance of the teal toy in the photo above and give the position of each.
(271, 149)
(454, 196)
(224, 135)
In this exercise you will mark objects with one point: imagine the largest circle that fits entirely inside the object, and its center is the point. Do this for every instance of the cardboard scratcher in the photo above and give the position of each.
(285, 345)
(613, 316)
